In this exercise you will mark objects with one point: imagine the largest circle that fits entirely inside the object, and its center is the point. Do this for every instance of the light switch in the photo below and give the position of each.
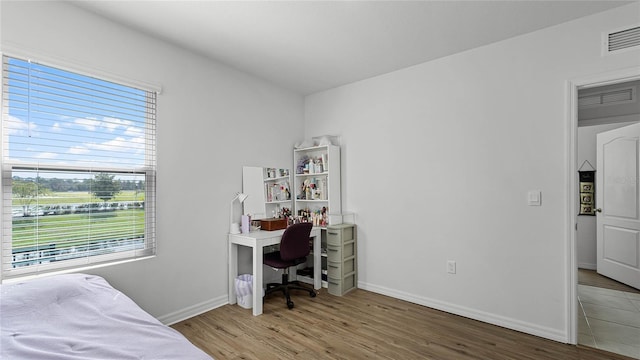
(534, 198)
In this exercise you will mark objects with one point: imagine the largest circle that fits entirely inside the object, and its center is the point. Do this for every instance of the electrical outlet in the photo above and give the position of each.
(451, 266)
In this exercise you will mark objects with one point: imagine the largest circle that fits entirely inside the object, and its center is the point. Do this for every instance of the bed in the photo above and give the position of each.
(79, 316)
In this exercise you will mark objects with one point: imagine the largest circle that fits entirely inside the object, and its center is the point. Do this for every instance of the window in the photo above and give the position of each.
(78, 170)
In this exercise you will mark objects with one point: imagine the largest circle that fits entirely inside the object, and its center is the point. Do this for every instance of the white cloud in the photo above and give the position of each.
(89, 124)
(119, 145)
(134, 132)
(111, 124)
(46, 155)
(19, 127)
(138, 143)
(126, 146)
(112, 145)
(56, 127)
(78, 150)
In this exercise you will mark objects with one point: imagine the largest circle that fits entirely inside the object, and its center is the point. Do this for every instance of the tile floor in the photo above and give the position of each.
(609, 320)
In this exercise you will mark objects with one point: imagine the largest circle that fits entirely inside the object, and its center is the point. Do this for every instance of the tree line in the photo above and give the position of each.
(84, 185)
(103, 186)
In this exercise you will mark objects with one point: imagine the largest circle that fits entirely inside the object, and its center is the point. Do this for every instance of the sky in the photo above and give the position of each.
(60, 119)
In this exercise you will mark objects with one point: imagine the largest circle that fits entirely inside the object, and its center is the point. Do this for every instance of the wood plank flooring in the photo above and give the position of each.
(364, 325)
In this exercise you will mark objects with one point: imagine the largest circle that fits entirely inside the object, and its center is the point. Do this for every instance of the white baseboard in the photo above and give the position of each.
(587, 266)
(509, 323)
(191, 311)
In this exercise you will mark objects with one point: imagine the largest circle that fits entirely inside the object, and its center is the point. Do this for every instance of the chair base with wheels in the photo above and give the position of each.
(285, 287)
(294, 249)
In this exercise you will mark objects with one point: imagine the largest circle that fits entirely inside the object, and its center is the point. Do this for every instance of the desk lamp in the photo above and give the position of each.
(234, 228)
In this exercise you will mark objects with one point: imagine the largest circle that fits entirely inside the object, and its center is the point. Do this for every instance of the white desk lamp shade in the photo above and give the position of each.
(242, 197)
(234, 227)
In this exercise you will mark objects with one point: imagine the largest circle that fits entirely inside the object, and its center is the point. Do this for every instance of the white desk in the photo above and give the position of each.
(257, 240)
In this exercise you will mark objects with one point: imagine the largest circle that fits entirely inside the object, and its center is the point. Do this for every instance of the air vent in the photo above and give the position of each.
(623, 39)
(609, 97)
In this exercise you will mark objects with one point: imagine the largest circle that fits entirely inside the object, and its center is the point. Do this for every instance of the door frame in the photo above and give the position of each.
(571, 205)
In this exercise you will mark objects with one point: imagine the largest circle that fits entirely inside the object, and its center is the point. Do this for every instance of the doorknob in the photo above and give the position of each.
(598, 210)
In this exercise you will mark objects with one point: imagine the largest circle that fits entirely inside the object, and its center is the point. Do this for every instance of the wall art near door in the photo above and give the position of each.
(587, 191)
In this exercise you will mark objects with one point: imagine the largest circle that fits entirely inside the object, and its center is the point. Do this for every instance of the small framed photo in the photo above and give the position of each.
(587, 210)
(586, 187)
(586, 198)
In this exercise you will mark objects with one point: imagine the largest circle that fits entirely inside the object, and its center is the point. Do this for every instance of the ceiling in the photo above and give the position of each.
(310, 46)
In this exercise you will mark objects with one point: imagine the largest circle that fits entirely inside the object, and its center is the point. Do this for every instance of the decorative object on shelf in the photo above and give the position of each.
(285, 213)
(318, 217)
(234, 227)
(277, 191)
(270, 173)
(255, 225)
(326, 140)
(301, 164)
(587, 180)
(304, 144)
(273, 224)
(246, 224)
(322, 140)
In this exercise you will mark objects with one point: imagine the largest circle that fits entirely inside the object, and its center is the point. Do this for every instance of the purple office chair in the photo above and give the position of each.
(294, 249)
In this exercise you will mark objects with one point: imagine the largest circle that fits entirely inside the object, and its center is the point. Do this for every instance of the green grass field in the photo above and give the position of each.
(77, 229)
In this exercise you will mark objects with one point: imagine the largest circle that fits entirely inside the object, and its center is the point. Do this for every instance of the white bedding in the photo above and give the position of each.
(77, 316)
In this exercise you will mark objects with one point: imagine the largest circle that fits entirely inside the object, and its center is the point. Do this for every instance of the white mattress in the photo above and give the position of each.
(77, 316)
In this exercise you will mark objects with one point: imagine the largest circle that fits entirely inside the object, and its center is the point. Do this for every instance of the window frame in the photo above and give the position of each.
(148, 170)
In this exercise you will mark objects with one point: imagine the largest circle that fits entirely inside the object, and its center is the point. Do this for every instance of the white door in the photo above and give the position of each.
(618, 198)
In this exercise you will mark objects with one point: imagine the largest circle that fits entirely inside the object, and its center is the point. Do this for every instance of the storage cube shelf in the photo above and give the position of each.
(339, 260)
(342, 266)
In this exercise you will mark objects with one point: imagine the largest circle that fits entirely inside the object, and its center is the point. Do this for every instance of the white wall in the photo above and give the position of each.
(211, 121)
(437, 162)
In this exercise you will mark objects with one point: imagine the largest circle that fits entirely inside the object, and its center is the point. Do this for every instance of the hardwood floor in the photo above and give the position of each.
(364, 325)
(592, 278)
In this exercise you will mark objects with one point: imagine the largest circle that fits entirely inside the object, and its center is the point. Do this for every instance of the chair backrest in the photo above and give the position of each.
(295, 241)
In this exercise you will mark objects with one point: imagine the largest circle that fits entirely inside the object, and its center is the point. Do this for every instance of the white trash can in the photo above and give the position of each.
(244, 290)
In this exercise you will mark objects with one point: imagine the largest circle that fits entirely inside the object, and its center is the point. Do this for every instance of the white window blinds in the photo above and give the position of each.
(78, 169)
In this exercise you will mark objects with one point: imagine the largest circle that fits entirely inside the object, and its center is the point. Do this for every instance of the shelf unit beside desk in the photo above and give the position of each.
(339, 259)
